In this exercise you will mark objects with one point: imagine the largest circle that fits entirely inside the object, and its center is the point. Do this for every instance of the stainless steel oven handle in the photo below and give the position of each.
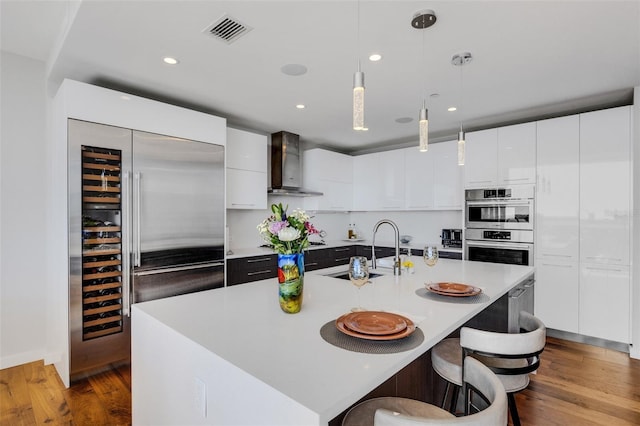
(515, 246)
(499, 202)
(179, 269)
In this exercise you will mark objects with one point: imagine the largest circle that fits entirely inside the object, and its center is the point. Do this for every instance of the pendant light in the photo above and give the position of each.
(358, 86)
(423, 125)
(422, 20)
(459, 60)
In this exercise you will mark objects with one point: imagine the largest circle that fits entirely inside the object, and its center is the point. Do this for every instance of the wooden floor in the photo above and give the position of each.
(576, 385)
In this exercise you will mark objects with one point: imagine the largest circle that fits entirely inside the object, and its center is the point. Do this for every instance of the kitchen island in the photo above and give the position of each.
(230, 356)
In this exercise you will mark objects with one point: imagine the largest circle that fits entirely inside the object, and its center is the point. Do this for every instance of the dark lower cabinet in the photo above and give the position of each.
(248, 269)
(255, 268)
(380, 251)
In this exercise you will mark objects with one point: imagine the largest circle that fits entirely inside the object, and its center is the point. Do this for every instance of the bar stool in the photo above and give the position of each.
(479, 381)
(511, 356)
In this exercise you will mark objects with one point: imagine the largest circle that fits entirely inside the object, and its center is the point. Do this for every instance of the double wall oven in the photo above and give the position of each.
(499, 229)
(499, 225)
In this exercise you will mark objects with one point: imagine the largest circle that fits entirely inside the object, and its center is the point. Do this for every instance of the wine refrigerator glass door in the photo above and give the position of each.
(99, 170)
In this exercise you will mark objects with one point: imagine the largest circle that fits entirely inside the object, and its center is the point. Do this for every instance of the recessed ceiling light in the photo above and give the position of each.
(404, 120)
(375, 57)
(171, 61)
(293, 69)
(451, 109)
(300, 106)
(434, 95)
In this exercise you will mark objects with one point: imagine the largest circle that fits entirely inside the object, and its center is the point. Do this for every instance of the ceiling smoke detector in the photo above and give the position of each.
(423, 19)
(227, 29)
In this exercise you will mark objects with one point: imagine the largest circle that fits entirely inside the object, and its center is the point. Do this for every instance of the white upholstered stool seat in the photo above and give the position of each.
(511, 356)
(363, 413)
(446, 357)
(394, 411)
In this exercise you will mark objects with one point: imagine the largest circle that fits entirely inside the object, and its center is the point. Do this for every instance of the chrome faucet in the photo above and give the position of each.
(396, 260)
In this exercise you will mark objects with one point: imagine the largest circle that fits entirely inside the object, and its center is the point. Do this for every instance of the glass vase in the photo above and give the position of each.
(290, 281)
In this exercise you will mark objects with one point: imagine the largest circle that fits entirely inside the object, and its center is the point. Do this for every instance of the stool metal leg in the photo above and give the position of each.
(515, 418)
(454, 399)
(446, 393)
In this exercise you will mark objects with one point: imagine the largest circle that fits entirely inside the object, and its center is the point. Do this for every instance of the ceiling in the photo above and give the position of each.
(531, 59)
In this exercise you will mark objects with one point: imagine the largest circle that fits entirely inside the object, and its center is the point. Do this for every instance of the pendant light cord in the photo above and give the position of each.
(461, 97)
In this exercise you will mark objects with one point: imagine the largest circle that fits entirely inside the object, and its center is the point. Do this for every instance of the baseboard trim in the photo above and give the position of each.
(21, 358)
(594, 341)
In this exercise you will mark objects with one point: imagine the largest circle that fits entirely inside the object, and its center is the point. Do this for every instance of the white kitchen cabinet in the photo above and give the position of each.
(330, 173)
(419, 177)
(246, 166)
(481, 159)
(557, 293)
(501, 157)
(390, 172)
(558, 189)
(378, 181)
(517, 154)
(365, 177)
(605, 186)
(447, 192)
(433, 179)
(605, 302)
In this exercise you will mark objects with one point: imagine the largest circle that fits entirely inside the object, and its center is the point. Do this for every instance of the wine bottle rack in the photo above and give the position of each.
(102, 299)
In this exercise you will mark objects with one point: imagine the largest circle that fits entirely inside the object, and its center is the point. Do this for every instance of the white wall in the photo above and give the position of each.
(423, 226)
(22, 210)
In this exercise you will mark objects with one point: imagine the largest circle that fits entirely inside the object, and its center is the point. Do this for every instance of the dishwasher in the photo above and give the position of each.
(520, 299)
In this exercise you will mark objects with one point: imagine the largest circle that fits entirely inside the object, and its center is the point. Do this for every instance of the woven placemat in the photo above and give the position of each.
(478, 298)
(331, 334)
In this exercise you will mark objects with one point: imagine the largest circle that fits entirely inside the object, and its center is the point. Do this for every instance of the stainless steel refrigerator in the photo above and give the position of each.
(146, 221)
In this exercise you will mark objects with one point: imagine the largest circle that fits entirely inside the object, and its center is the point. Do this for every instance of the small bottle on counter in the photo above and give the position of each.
(350, 232)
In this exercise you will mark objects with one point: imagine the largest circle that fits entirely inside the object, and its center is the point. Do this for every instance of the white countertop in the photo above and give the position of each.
(244, 326)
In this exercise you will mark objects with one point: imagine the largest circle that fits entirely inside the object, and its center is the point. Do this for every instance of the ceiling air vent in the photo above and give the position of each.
(227, 29)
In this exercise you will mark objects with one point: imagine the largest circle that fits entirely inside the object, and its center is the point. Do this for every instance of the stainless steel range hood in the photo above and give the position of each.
(286, 167)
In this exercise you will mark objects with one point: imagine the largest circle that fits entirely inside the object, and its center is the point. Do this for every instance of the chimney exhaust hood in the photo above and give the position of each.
(286, 167)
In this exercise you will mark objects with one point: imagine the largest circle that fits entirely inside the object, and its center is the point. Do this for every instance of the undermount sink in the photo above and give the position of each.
(345, 275)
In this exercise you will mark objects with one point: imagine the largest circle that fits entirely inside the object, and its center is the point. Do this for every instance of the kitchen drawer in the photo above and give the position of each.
(248, 269)
(380, 251)
(443, 254)
(315, 259)
(328, 257)
(341, 255)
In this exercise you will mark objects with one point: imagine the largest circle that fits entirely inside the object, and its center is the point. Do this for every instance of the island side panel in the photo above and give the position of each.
(176, 381)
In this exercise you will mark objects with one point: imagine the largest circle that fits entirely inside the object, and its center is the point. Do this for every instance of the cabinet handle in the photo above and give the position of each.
(264, 259)
(311, 264)
(126, 249)
(515, 179)
(604, 258)
(556, 255)
(136, 196)
(342, 249)
(179, 269)
(593, 268)
(267, 271)
(341, 259)
(242, 204)
(557, 266)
